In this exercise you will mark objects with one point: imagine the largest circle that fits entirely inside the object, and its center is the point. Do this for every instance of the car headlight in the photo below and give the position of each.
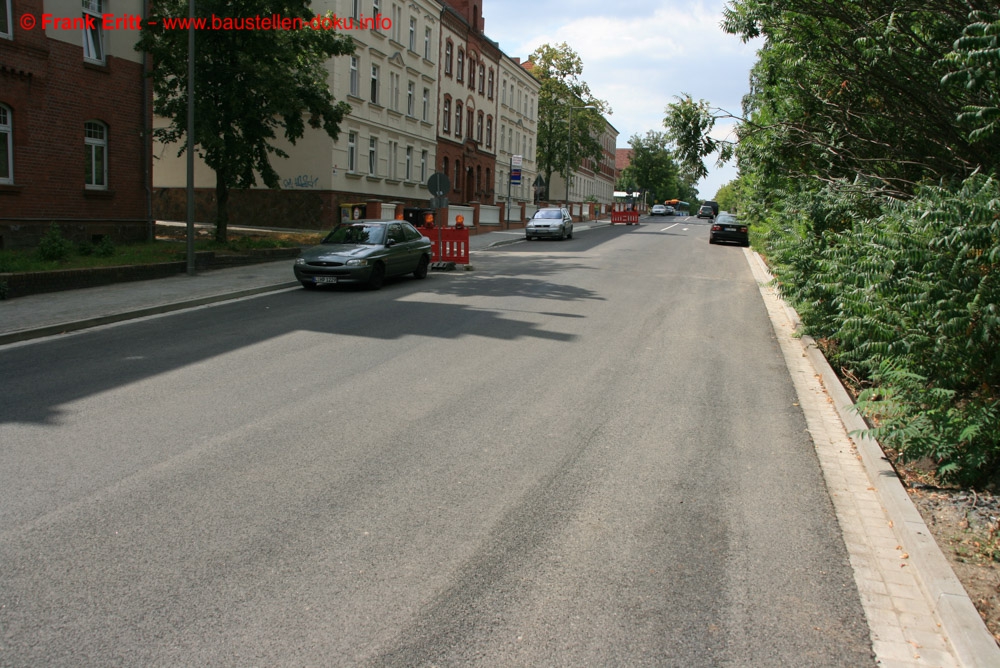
(300, 260)
(358, 262)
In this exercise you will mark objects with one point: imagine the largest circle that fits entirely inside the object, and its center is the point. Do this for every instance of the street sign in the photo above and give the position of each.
(438, 184)
(515, 169)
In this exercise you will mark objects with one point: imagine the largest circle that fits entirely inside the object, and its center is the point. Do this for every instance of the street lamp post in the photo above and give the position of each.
(569, 147)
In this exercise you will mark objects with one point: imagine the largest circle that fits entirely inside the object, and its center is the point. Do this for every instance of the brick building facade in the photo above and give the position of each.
(469, 88)
(73, 126)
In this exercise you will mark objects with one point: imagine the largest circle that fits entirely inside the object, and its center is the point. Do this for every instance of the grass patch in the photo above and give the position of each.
(88, 257)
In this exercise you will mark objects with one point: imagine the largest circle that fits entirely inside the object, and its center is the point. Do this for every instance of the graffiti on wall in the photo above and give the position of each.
(300, 181)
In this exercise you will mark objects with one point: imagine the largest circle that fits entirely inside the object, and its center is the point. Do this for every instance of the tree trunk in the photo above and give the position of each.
(221, 209)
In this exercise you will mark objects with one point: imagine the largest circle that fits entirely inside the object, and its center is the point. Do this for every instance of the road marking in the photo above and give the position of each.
(670, 228)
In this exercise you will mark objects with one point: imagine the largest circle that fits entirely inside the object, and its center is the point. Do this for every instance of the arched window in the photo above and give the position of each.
(96, 145)
(447, 57)
(460, 66)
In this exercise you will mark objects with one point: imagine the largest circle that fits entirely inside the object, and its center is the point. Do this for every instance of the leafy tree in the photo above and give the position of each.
(248, 84)
(689, 125)
(976, 57)
(558, 69)
(652, 167)
(857, 93)
(728, 196)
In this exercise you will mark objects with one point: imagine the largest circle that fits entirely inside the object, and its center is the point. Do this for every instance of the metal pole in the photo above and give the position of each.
(190, 143)
(569, 144)
(508, 186)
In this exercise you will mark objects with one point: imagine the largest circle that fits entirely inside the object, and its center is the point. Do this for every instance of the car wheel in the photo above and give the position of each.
(562, 233)
(377, 277)
(422, 267)
(308, 285)
(570, 232)
(711, 240)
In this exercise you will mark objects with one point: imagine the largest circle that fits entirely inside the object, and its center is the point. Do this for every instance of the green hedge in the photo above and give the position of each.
(906, 294)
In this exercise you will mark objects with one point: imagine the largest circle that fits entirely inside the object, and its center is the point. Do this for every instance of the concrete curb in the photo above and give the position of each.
(86, 323)
(973, 643)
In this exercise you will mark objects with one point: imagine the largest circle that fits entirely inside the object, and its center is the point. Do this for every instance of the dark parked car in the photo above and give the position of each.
(705, 211)
(549, 222)
(365, 252)
(728, 228)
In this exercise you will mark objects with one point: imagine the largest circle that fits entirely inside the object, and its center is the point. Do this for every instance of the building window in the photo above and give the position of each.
(472, 74)
(503, 137)
(6, 144)
(392, 172)
(504, 92)
(394, 91)
(374, 87)
(458, 175)
(489, 131)
(447, 58)
(427, 43)
(355, 9)
(5, 24)
(468, 126)
(410, 101)
(446, 116)
(489, 89)
(460, 66)
(354, 76)
(93, 37)
(408, 174)
(444, 166)
(426, 103)
(423, 166)
(458, 119)
(479, 127)
(96, 145)
(482, 79)
(352, 151)
(376, 10)
(373, 155)
(413, 34)
(397, 23)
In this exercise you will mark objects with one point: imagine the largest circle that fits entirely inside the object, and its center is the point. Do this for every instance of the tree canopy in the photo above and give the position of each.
(249, 84)
(868, 153)
(563, 92)
(653, 170)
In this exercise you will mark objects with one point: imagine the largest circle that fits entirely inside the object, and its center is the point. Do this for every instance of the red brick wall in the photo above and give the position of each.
(52, 93)
(260, 207)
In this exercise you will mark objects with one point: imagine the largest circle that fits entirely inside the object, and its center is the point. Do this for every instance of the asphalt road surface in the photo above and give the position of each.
(583, 453)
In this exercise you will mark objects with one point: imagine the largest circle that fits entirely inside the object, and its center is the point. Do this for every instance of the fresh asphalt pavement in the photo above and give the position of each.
(55, 313)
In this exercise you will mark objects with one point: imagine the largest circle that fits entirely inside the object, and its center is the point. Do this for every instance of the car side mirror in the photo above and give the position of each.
(390, 242)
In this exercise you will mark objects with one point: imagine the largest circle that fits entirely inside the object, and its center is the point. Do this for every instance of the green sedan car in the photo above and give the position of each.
(365, 252)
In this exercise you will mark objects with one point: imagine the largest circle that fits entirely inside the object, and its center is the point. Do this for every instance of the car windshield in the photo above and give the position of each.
(548, 213)
(362, 234)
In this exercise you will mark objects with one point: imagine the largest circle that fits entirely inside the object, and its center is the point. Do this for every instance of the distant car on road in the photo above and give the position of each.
(549, 222)
(365, 252)
(670, 210)
(705, 211)
(728, 228)
(658, 210)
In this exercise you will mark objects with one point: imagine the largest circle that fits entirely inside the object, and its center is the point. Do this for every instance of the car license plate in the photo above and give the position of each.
(730, 229)
(326, 279)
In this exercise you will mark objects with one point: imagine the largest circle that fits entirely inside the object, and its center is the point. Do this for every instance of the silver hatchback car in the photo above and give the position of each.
(549, 222)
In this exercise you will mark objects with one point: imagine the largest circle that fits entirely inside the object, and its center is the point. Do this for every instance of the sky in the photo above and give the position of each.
(638, 57)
